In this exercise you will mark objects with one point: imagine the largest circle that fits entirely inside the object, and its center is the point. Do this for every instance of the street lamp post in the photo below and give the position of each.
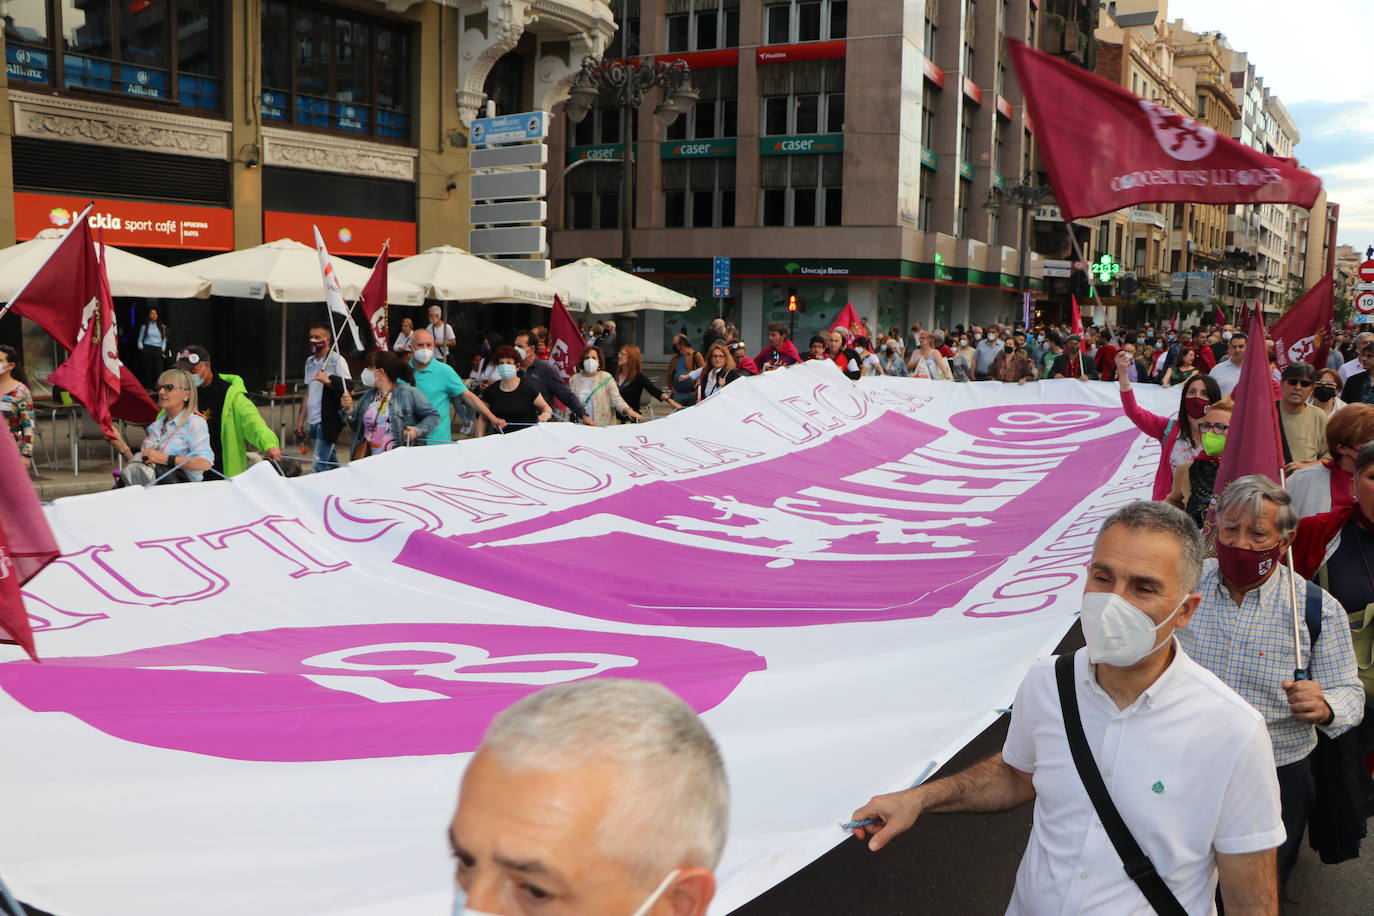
(629, 82)
(1027, 195)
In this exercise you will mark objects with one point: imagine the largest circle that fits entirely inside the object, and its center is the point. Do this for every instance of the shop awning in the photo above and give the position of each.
(129, 274)
(451, 273)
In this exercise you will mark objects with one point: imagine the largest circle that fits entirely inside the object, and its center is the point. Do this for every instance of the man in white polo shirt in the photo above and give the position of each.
(1227, 372)
(1185, 760)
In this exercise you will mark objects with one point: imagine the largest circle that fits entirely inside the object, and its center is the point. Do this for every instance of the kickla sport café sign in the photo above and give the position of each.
(128, 223)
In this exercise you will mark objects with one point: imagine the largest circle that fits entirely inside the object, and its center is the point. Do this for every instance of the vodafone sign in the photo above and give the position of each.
(128, 223)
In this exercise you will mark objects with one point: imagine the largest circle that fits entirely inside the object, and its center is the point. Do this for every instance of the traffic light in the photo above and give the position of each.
(792, 300)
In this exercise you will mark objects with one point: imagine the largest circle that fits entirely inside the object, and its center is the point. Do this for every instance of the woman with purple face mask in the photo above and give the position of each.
(1179, 437)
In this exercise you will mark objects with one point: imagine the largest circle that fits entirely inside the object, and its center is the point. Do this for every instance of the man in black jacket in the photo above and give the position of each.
(326, 377)
(1073, 362)
(547, 380)
(1358, 387)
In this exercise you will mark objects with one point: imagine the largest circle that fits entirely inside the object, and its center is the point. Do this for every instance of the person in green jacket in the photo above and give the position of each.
(233, 418)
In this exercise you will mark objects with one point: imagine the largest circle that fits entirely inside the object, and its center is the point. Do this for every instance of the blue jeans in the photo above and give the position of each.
(325, 458)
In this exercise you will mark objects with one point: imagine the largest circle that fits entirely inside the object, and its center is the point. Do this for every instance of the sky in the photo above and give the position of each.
(1316, 58)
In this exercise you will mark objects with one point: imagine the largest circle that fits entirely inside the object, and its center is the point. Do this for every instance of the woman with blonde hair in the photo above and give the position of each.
(597, 389)
(402, 344)
(178, 439)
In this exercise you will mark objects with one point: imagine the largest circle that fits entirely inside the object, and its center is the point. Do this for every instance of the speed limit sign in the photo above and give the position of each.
(1364, 303)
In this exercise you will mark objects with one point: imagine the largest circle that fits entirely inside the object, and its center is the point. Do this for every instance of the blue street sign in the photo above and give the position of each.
(720, 278)
(511, 128)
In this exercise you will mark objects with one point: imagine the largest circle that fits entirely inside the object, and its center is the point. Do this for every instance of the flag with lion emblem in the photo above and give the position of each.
(1303, 334)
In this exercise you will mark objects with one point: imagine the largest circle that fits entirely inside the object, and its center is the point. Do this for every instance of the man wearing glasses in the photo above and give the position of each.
(1303, 426)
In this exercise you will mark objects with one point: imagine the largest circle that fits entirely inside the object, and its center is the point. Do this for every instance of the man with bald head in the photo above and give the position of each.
(438, 382)
(602, 797)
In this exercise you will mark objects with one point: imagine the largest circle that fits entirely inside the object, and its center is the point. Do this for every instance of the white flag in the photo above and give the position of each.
(333, 294)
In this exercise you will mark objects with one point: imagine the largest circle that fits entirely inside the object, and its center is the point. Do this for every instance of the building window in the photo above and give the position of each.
(626, 41)
(600, 126)
(923, 213)
(792, 21)
(932, 31)
(328, 70)
(802, 190)
(594, 197)
(803, 98)
(928, 98)
(169, 52)
(961, 212)
(702, 25)
(966, 132)
(698, 192)
(716, 113)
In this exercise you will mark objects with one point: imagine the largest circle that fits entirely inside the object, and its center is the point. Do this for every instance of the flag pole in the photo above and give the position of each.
(15, 298)
(1299, 669)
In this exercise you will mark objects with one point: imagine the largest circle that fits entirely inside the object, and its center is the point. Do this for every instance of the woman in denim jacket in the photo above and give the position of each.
(392, 412)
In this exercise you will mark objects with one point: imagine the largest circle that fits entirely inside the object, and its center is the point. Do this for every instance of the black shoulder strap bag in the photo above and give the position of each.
(1138, 865)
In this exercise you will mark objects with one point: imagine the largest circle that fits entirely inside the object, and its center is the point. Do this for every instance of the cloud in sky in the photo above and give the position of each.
(1316, 60)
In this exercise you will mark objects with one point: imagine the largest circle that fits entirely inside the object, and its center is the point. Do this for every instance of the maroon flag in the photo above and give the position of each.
(373, 300)
(1220, 315)
(60, 297)
(1303, 334)
(1253, 444)
(1173, 322)
(844, 322)
(566, 340)
(1077, 323)
(1244, 321)
(1106, 148)
(91, 373)
(26, 545)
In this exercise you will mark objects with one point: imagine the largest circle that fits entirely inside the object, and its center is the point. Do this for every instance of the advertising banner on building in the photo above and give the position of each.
(128, 223)
(259, 695)
(343, 234)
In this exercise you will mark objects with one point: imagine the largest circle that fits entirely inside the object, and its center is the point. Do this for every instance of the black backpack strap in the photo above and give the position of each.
(1312, 612)
(1138, 865)
(1283, 436)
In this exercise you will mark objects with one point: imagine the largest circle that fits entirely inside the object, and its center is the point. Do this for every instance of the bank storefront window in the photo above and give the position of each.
(169, 51)
(331, 71)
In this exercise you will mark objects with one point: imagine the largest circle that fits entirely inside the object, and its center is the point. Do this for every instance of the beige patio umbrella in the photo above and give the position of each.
(602, 289)
(447, 272)
(287, 271)
(129, 274)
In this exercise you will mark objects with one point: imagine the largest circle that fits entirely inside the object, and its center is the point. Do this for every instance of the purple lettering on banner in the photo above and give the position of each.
(268, 532)
(463, 497)
(824, 394)
(760, 545)
(91, 564)
(344, 525)
(718, 451)
(809, 432)
(558, 480)
(353, 692)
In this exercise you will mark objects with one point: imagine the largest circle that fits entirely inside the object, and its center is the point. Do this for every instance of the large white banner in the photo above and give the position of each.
(258, 696)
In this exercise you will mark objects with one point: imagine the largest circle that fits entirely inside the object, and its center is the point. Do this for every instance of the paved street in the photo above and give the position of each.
(965, 864)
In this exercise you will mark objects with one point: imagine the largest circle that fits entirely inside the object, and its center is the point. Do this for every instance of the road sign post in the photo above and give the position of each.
(507, 191)
(720, 282)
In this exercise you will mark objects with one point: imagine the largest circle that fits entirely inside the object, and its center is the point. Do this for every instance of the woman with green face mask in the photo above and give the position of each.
(1194, 480)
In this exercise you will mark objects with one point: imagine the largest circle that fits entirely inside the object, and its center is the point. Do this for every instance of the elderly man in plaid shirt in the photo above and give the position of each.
(1243, 633)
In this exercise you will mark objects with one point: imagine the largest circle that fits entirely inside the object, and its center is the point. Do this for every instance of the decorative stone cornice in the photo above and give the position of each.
(304, 150)
(84, 121)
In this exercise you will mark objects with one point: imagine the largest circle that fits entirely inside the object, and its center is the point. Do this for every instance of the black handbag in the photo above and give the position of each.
(1138, 865)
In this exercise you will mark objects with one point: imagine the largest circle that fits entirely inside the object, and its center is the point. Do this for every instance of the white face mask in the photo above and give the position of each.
(520, 351)
(590, 365)
(977, 336)
(1117, 632)
(4, 368)
(506, 371)
(461, 908)
(368, 378)
(1226, 335)
(423, 355)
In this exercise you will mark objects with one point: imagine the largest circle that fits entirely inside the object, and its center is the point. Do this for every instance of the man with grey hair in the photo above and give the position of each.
(1185, 761)
(602, 797)
(1244, 632)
